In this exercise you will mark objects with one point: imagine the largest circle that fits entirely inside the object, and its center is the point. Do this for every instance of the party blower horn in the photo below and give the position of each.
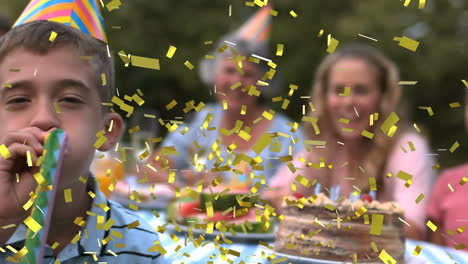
(48, 177)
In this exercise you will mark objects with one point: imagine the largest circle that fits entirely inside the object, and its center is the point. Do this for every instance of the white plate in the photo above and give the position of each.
(228, 235)
(304, 260)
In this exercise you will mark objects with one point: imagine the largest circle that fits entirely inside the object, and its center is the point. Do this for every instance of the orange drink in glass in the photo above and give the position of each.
(108, 171)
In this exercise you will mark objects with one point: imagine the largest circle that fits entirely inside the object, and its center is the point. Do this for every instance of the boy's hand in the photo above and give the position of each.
(16, 177)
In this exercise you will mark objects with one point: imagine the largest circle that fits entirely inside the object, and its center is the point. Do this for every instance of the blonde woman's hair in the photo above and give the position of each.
(378, 148)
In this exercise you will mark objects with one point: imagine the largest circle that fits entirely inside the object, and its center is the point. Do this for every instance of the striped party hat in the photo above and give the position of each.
(84, 15)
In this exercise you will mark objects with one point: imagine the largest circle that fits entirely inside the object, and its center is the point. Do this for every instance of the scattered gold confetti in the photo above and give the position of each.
(171, 51)
(407, 43)
(67, 195)
(376, 226)
(420, 197)
(431, 225)
(112, 5)
(279, 49)
(293, 14)
(4, 151)
(332, 44)
(454, 104)
(144, 62)
(454, 147)
(171, 105)
(52, 36)
(189, 65)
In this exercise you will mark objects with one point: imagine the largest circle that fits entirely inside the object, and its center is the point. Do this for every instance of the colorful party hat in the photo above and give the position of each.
(84, 15)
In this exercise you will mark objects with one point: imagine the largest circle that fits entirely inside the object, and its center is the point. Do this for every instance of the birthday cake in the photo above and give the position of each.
(349, 231)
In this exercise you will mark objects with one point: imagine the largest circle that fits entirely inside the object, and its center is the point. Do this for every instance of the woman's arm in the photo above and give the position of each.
(417, 163)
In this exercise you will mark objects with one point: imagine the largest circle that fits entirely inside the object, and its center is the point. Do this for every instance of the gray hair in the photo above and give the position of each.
(208, 67)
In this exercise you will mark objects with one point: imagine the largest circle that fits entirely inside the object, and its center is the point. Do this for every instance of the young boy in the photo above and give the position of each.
(57, 83)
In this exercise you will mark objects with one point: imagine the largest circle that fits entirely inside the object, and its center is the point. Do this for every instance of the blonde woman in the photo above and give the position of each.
(351, 86)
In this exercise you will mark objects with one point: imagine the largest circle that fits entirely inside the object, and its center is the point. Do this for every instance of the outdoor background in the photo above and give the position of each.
(147, 28)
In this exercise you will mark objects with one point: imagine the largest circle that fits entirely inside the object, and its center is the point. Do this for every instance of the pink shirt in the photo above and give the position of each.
(418, 163)
(447, 208)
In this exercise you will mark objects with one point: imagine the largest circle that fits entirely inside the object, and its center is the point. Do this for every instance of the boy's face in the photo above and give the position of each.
(35, 87)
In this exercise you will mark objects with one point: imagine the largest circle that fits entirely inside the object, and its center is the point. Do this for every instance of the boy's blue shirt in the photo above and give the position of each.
(130, 245)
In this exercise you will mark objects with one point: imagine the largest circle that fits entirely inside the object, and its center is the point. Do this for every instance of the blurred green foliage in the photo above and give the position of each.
(148, 28)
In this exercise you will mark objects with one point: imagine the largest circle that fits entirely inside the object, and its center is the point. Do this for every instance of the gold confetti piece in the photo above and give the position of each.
(285, 104)
(420, 197)
(463, 181)
(374, 247)
(273, 12)
(103, 79)
(171, 105)
(100, 141)
(279, 49)
(417, 250)
(157, 247)
(189, 65)
(4, 151)
(67, 193)
(55, 245)
(52, 36)
(386, 258)
(344, 120)
(454, 104)
(429, 110)
(367, 134)
(171, 51)
(209, 209)
(32, 224)
(373, 184)
(404, 176)
(91, 194)
(333, 43)
(411, 146)
(460, 229)
(133, 130)
(431, 225)
(347, 91)
(112, 5)
(360, 212)
(376, 226)
(29, 159)
(454, 147)
(133, 225)
(407, 43)
(422, 4)
(390, 122)
(171, 178)
(460, 246)
(144, 62)
(262, 143)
